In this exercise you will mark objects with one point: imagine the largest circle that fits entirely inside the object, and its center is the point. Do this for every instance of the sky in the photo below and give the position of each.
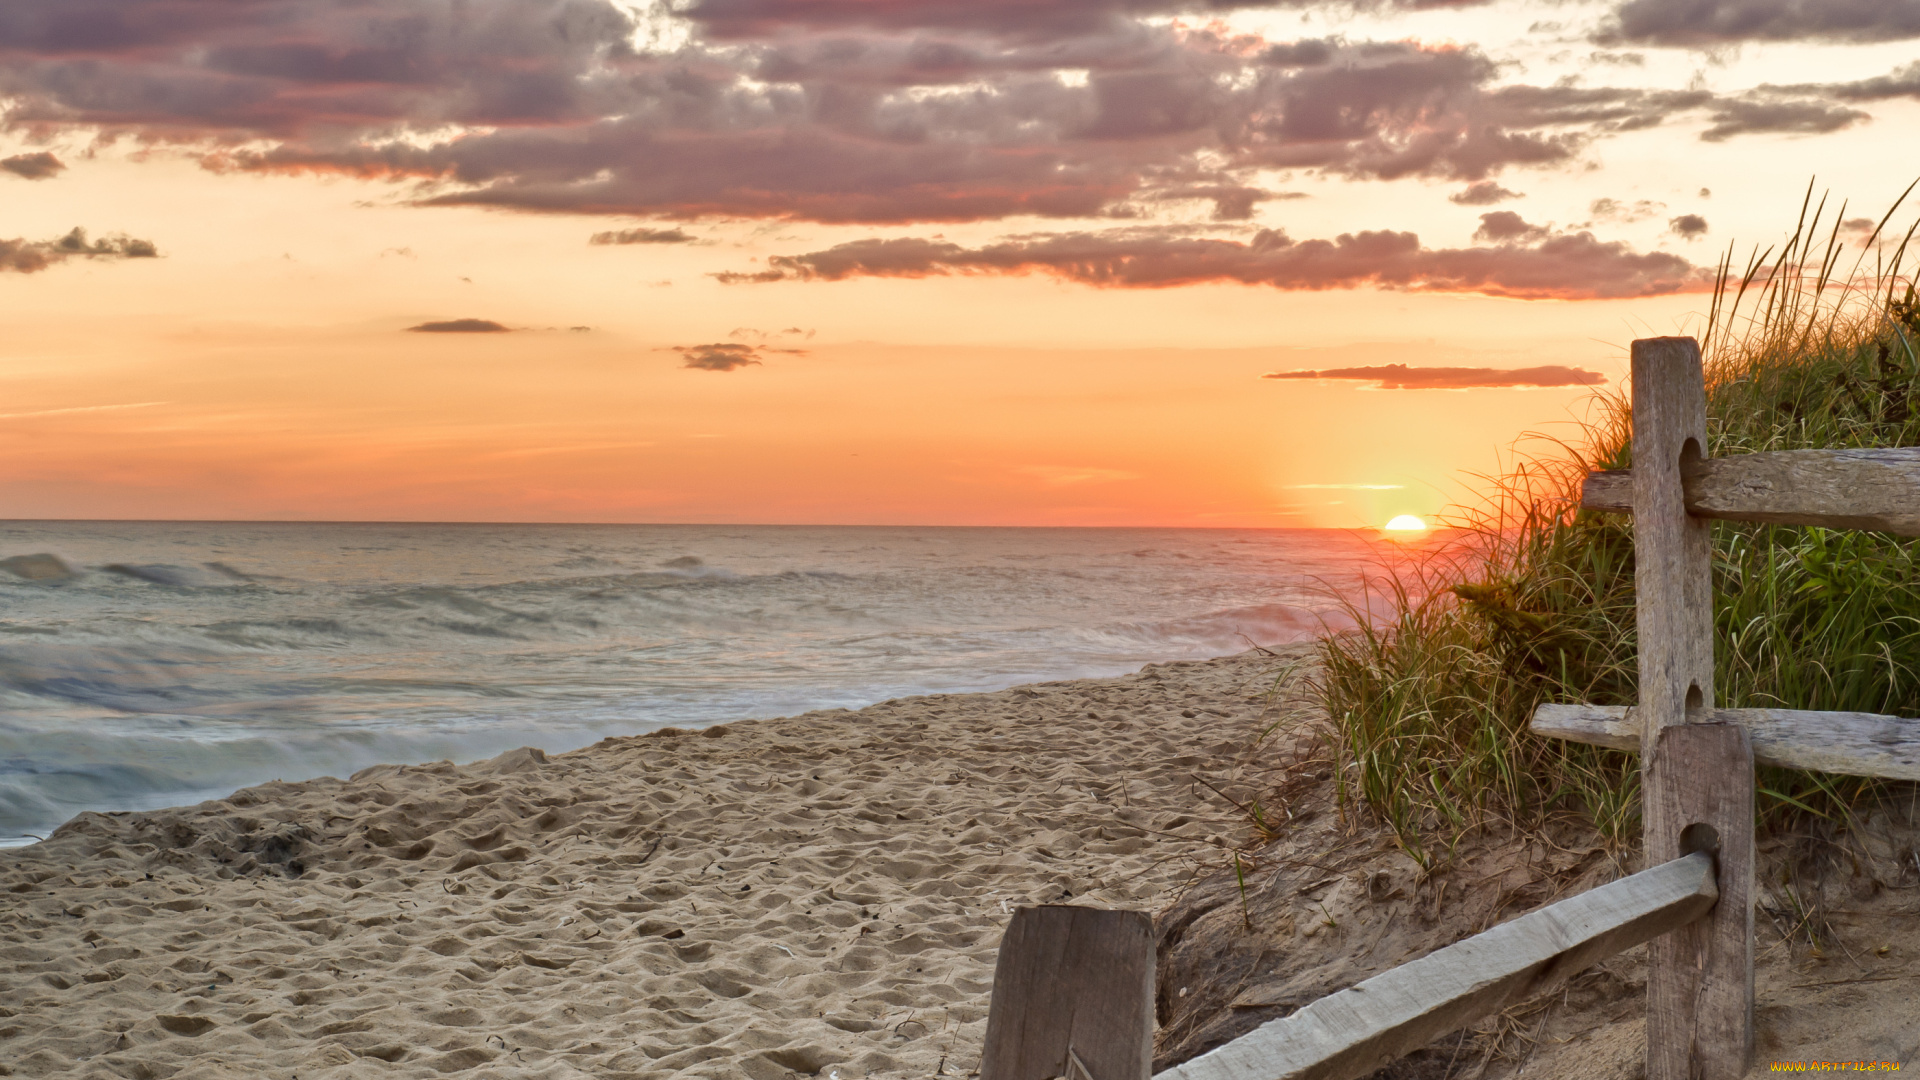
(946, 262)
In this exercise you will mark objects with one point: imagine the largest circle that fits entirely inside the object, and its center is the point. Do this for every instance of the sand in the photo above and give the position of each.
(824, 895)
(819, 894)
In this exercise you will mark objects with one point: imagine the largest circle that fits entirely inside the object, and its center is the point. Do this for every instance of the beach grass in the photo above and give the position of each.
(1814, 343)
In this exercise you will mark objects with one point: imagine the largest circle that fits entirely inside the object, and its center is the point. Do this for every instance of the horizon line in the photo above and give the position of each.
(653, 524)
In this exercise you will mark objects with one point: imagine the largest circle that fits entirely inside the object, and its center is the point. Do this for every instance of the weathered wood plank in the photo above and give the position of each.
(1876, 489)
(1700, 977)
(1353, 1032)
(1857, 744)
(1615, 727)
(1609, 490)
(1072, 996)
(1673, 615)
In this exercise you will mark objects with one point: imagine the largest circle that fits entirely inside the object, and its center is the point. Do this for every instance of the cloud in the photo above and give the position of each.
(1616, 210)
(286, 68)
(1902, 83)
(460, 326)
(40, 166)
(1788, 116)
(842, 112)
(31, 256)
(1505, 227)
(1688, 226)
(1562, 266)
(1707, 23)
(644, 235)
(838, 111)
(719, 356)
(1594, 111)
(1023, 19)
(1231, 202)
(1483, 193)
(1402, 377)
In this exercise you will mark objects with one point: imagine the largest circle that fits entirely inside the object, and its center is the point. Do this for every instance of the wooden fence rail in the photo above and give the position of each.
(1857, 744)
(1357, 1030)
(1836, 489)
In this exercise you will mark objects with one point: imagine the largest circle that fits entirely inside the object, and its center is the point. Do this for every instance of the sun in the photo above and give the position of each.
(1406, 523)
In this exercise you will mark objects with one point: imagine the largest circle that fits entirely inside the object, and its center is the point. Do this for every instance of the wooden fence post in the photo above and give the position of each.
(1072, 996)
(1699, 988)
(1673, 559)
(1700, 976)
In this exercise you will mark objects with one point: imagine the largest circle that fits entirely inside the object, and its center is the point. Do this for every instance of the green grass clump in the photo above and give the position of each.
(1535, 600)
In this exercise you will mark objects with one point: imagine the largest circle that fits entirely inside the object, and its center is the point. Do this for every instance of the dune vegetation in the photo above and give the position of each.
(1533, 599)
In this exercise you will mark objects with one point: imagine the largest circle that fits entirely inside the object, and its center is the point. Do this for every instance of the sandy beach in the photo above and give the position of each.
(824, 895)
(819, 894)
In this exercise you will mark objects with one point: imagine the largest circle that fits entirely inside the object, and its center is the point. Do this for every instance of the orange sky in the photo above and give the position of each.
(261, 366)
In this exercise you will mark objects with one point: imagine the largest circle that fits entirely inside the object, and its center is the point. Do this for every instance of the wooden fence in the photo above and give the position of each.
(1073, 989)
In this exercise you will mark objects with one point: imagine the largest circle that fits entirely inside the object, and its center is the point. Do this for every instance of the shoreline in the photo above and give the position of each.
(173, 664)
(821, 893)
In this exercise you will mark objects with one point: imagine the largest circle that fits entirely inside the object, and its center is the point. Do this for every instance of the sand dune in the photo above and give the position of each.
(820, 894)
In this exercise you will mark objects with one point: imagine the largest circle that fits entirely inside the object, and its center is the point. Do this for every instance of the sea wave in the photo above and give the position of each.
(146, 663)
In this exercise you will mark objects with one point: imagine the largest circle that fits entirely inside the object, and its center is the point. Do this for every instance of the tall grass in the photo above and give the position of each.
(1535, 600)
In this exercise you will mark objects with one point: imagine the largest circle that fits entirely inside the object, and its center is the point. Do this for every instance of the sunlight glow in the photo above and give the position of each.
(1406, 523)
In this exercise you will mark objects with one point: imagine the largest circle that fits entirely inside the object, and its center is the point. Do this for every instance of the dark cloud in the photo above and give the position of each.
(814, 109)
(1790, 116)
(1594, 110)
(1382, 111)
(720, 356)
(1026, 144)
(293, 68)
(40, 166)
(1566, 266)
(1013, 18)
(31, 256)
(1707, 23)
(846, 111)
(1813, 108)
(1903, 83)
(1483, 193)
(1189, 118)
(1506, 227)
(644, 235)
(1029, 19)
(460, 326)
(1688, 226)
(1402, 377)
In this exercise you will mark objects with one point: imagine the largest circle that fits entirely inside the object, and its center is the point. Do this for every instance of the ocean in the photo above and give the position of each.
(149, 664)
